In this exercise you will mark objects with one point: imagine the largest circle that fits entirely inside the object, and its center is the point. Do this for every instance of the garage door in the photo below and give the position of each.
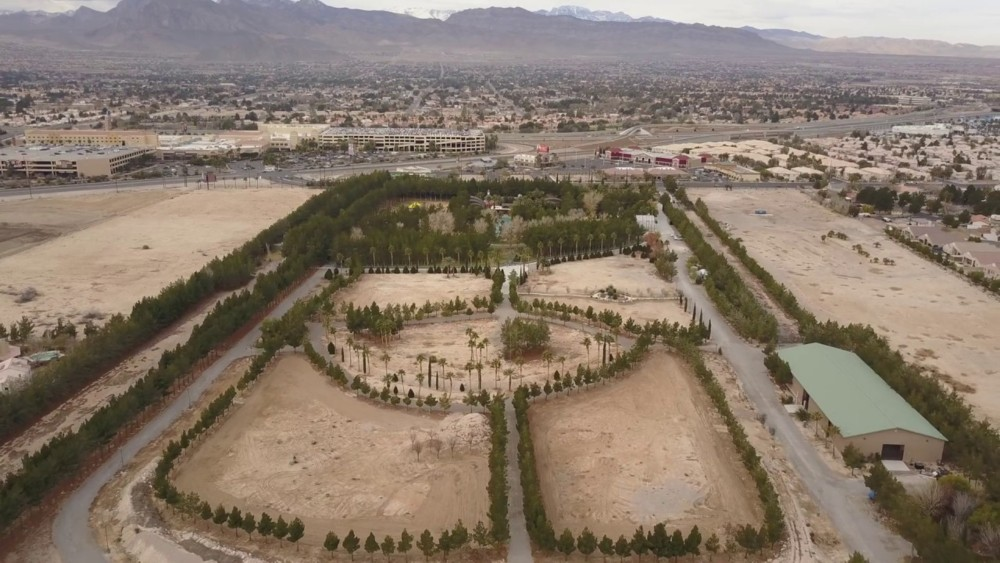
(892, 452)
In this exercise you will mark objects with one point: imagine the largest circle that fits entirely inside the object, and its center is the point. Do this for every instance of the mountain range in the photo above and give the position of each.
(310, 30)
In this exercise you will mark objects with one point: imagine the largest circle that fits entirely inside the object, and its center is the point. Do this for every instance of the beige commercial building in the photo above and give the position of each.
(280, 136)
(406, 139)
(80, 162)
(855, 406)
(91, 138)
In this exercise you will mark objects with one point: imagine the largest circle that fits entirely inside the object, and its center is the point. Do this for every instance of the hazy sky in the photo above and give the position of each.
(957, 21)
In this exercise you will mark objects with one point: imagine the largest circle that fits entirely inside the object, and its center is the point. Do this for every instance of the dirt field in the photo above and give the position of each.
(299, 446)
(931, 315)
(87, 253)
(402, 289)
(27, 222)
(574, 283)
(448, 340)
(644, 450)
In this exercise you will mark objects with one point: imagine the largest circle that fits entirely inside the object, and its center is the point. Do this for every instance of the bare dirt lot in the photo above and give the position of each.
(300, 446)
(574, 283)
(404, 289)
(102, 253)
(641, 451)
(931, 315)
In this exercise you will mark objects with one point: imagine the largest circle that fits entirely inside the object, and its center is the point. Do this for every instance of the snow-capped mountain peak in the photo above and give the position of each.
(582, 13)
(424, 13)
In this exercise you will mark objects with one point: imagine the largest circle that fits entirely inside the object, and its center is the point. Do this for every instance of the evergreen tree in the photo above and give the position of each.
(459, 536)
(388, 547)
(659, 541)
(249, 524)
(676, 544)
(639, 544)
(220, 515)
(692, 543)
(480, 535)
(444, 544)
(351, 543)
(566, 544)
(295, 532)
(205, 511)
(606, 546)
(857, 558)
(712, 544)
(371, 545)
(266, 526)
(623, 548)
(280, 528)
(426, 544)
(586, 543)
(405, 544)
(235, 519)
(331, 542)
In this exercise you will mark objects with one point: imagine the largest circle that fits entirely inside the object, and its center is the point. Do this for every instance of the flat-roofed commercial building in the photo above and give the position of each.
(91, 138)
(407, 140)
(858, 406)
(81, 162)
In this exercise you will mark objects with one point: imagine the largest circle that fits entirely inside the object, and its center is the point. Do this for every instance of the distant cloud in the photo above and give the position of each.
(957, 21)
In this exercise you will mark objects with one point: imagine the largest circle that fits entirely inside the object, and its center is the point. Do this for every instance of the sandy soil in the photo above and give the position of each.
(105, 268)
(402, 289)
(448, 340)
(300, 446)
(933, 317)
(27, 222)
(644, 450)
(574, 283)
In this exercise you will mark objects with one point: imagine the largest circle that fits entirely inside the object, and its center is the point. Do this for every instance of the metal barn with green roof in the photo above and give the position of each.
(864, 409)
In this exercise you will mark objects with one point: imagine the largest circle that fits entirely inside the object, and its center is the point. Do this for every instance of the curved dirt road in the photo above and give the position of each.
(71, 532)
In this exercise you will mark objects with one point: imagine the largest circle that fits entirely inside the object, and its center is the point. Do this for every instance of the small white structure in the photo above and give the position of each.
(524, 160)
(14, 373)
(647, 222)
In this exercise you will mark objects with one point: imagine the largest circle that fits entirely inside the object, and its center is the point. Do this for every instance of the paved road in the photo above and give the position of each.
(843, 500)
(519, 547)
(71, 532)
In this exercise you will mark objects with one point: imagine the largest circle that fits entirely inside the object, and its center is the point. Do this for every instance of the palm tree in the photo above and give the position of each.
(441, 365)
(562, 361)
(547, 357)
(421, 358)
(392, 259)
(520, 367)
(479, 371)
(373, 256)
(590, 243)
(469, 366)
(509, 372)
(602, 236)
(450, 378)
(560, 246)
(576, 244)
(408, 253)
(402, 375)
(350, 357)
(484, 345)
(614, 237)
(420, 383)
(586, 344)
(385, 357)
(495, 363)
